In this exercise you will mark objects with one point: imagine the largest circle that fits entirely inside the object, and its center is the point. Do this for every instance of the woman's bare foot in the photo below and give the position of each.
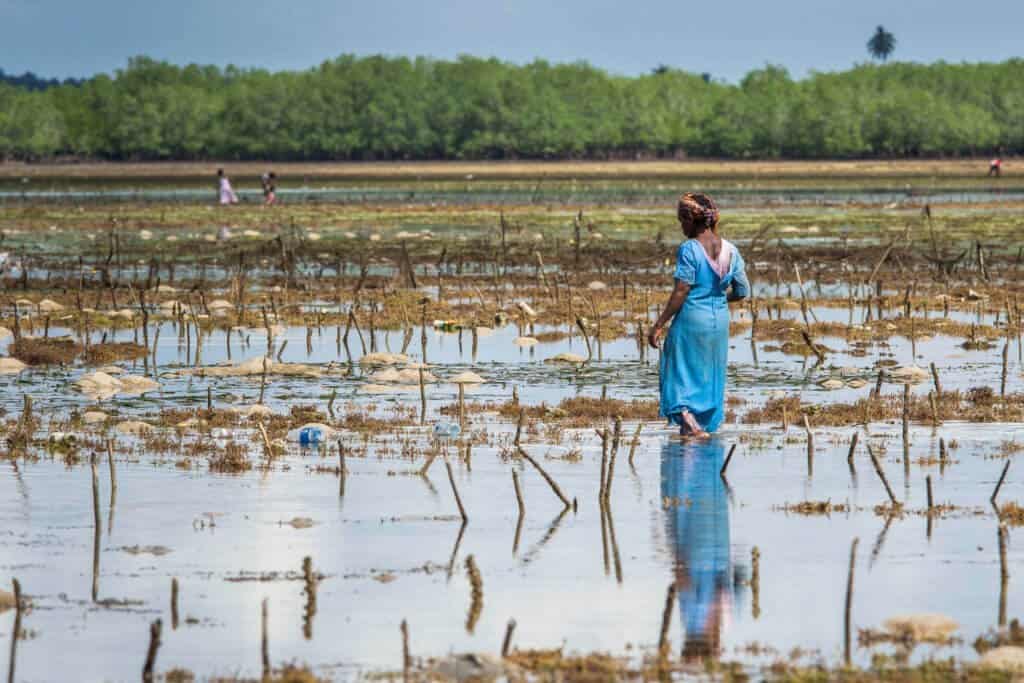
(699, 435)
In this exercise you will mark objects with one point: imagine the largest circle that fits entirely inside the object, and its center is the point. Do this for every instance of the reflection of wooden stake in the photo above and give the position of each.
(633, 444)
(263, 381)
(519, 493)
(1004, 574)
(551, 482)
(96, 529)
(476, 586)
(849, 602)
(755, 582)
(506, 644)
(462, 405)
(666, 623)
(906, 425)
(265, 638)
(154, 646)
(423, 400)
(458, 499)
(15, 633)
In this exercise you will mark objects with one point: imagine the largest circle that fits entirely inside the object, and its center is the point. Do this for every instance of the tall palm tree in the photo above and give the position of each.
(881, 44)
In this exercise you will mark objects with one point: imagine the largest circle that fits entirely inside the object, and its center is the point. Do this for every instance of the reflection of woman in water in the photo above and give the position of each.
(698, 530)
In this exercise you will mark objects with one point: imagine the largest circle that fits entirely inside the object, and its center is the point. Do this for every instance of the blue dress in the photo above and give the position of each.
(696, 349)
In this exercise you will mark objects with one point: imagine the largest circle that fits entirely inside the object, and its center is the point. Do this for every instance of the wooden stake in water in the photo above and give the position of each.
(1002, 382)
(154, 645)
(935, 378)
(853, 447)
(728, 459)
(999, 484)
(455, 490)
(506, 644)
(810, 446)
(928, 485)
(551, 482)
(406, 657)
(174, 604)
(881, 475)
(849, 602)
(519, 427)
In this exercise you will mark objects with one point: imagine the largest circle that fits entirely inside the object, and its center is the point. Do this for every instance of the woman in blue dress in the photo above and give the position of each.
(709, 274)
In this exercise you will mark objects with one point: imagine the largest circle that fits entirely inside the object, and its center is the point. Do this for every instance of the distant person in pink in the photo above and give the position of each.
(995, 167)
(225, 194)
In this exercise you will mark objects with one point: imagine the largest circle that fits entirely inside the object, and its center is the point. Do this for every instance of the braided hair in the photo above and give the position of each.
(699, 210)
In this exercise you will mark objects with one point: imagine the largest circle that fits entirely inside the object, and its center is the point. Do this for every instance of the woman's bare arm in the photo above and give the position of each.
(675, 302)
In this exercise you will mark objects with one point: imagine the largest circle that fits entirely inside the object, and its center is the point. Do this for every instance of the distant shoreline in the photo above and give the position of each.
(972, 168)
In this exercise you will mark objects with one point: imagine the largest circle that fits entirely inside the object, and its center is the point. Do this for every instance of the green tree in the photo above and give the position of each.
(881, 44)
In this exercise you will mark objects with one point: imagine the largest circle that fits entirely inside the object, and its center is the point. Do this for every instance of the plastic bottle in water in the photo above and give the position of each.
(447, 430)
(309, 436)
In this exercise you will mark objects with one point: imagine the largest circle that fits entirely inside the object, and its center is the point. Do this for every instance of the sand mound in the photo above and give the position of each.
(569, 358)
(11, 366)
(384, 358)
(921, 628)
(467, 378)
(909, 373)
(101, 385)
(133, 427)
(1005, 658)
(254, 367)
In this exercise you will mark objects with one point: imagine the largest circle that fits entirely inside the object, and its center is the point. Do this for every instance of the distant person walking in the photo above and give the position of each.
(225, 194)
(709, 273)
(995, 168)
(269, 181)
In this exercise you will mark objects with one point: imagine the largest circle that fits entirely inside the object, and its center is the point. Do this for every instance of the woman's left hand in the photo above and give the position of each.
(654, 336)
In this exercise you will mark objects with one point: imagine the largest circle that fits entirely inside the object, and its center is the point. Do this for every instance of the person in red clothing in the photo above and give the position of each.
(995, 167)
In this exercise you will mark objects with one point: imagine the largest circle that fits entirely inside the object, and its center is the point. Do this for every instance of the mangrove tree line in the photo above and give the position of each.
(397, 108)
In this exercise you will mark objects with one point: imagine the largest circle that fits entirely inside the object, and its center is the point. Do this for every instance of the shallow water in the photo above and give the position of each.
(561, 585)
(635, 193)
(558, 585)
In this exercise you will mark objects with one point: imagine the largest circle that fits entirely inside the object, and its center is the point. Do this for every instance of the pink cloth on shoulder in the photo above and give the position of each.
(724, 260)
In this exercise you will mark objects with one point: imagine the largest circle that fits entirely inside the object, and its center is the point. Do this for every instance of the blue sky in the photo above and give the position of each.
(726, 38)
